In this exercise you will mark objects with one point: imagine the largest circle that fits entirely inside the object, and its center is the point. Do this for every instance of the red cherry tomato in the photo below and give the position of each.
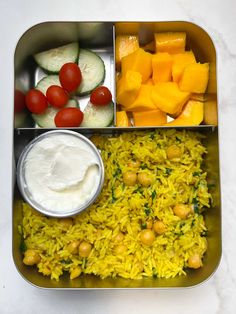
(69, 117)
(70, 76)
(19, 101)
(57, 96)
(36, 101)
(101, 96)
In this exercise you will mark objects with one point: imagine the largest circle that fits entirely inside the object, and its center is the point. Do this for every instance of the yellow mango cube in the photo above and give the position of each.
(171, 42)
(138, 61)
(122, 119)
(128, 86)
(180, 61)
(125, 44)
(168, 97)
(195, 78)
(191, 115)
(161, 67)
(143, 101)
(149, 82)
(149, 118)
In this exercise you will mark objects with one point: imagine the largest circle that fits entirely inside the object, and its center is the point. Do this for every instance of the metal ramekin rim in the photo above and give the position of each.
(22, 184)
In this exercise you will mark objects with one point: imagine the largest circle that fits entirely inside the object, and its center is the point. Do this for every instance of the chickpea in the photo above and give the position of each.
(195, 261)
(182, 210)
(173, 152)
(159, 227)
(73, 247)
(140, 266)
(119, 237)
(134, 164)
(144, 179)
(149, 224)
(75, 272)
(120, 249)
(85, 249)
(31, 257)
(147, 237)
(130, 178)
(65, 222)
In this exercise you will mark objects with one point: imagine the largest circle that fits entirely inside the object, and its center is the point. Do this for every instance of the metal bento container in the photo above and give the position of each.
(100, 37)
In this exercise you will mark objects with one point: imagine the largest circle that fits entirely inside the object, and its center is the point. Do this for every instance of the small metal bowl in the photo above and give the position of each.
(22, 182)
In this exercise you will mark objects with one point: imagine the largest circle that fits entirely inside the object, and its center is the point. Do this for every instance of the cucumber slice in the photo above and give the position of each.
(47, 81)
(46, 119)
(93, 71)
(98, 116)
(52, 60)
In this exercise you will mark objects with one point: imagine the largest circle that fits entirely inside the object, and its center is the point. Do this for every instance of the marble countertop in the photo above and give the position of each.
(218, 294)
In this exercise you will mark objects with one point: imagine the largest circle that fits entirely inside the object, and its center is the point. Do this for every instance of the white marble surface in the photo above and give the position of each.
(218, 294)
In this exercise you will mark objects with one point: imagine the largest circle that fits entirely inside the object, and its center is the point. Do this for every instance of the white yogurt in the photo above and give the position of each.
(61, 172)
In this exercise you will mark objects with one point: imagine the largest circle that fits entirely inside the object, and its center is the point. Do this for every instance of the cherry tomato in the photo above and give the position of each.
(19, 101)
(69, 117)
(57, 96)
(101, 96)
(70, 76)
(36, 101)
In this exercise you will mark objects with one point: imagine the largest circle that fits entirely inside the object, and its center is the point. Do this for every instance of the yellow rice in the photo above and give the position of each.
(127, 209)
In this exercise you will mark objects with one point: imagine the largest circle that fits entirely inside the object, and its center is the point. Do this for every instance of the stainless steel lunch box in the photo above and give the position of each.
(100, 36)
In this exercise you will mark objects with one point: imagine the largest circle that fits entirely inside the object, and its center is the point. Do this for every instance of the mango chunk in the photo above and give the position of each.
(149, 82)
(128, 87)
(149, 118)
(170, 42)
(210, 112)
(161, 67)
(195, 78)
(125, 44)
(192, 114)
(143, 101)
(138, 61)
(168, 97)
(122, 119)
(180, 61)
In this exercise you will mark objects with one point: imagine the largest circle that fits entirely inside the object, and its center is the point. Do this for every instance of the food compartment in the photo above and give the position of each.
(99, 38)
(210, 230)
(165, 75)
(40, 54)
